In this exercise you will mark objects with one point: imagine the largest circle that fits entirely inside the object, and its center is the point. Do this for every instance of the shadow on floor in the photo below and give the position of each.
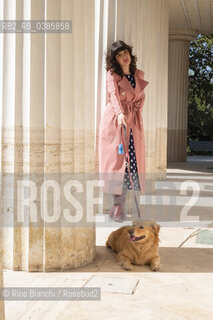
(193, 163)
(173, 260)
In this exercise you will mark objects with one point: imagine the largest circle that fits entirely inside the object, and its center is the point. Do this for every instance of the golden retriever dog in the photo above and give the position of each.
(136, 244)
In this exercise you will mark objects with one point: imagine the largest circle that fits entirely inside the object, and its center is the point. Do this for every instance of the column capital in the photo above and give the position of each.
(182, 35)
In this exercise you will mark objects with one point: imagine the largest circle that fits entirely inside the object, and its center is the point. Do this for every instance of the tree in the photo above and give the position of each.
(200, 98)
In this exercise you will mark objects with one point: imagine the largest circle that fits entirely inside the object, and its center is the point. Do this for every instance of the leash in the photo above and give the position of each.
(126, 152)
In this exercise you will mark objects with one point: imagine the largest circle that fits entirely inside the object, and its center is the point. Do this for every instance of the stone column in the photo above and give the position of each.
(2, 315)
(178, 94)
(146, 29)
(105, 34)
(47, 134)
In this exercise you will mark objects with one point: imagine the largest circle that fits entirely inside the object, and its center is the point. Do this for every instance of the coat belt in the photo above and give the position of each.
(132, 110)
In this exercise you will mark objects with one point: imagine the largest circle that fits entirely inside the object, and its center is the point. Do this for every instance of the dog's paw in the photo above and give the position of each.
(128, 266)
(155, 267)
(107, 244)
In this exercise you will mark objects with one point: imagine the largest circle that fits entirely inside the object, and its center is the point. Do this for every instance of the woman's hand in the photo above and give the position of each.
(121, 119)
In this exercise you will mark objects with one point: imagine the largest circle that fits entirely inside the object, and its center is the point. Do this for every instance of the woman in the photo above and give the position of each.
(124, 101)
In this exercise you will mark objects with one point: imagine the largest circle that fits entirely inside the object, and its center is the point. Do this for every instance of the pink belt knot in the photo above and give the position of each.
(132, 111)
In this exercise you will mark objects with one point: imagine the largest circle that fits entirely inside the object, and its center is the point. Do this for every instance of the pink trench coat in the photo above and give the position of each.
(121, 97)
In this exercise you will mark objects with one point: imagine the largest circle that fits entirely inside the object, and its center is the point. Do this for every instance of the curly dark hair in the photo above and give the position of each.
(112, 63)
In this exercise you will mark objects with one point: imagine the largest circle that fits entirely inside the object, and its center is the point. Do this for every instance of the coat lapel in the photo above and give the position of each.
(140, 83)
(125, 84)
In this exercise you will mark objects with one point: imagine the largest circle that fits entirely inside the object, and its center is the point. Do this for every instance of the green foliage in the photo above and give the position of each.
(200, 99)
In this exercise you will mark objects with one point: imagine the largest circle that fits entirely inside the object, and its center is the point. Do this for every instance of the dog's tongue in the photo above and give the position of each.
(132, 239)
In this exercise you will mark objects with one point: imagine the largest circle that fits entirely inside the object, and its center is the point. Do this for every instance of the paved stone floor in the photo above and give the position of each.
(182, 290)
